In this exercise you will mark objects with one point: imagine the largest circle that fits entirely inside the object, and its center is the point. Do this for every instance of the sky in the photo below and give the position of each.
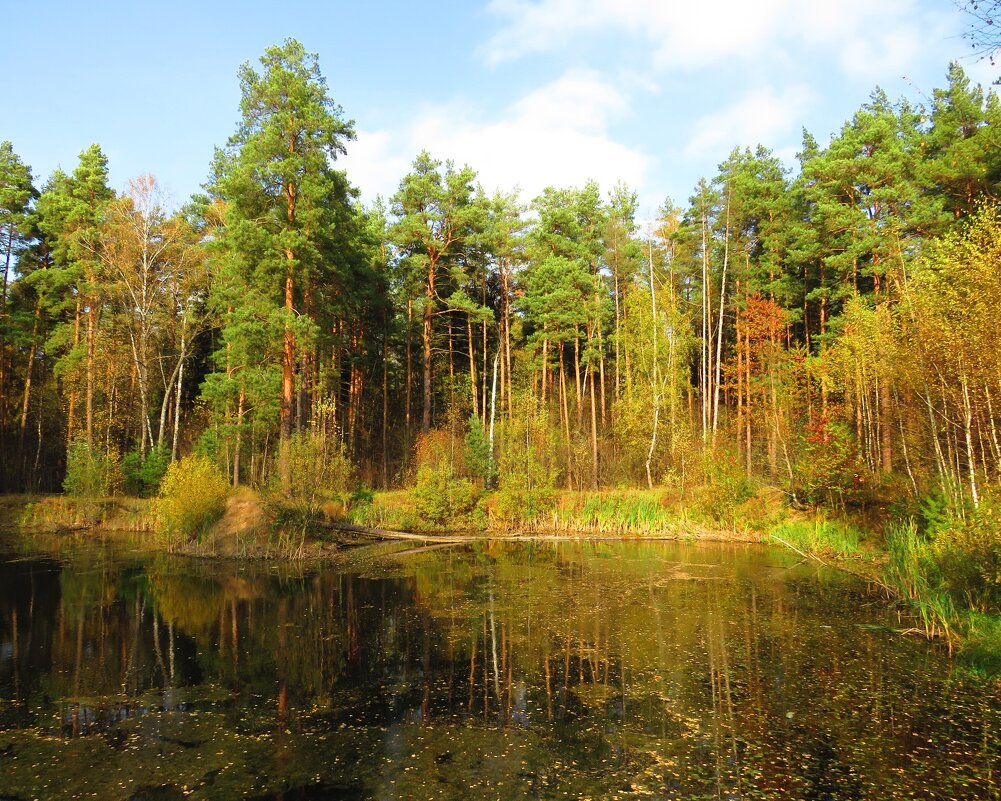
(530, 93)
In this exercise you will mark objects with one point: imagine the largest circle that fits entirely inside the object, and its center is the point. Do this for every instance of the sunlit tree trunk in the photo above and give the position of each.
(656, 380)
(971, 459)
(594, 432)
(239, 434)
(474, 390)
(719, 333)
(177, 397)
(426, 341)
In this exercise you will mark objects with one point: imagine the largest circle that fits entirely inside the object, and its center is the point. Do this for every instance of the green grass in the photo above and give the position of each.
(932, 575)
(61, 512)
(387, 509)
(821, 537)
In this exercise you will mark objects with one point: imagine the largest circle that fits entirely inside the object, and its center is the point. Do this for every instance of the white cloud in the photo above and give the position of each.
(761, 116)
(881, 56)
(372, 165)
(882, 36)
(554, 135)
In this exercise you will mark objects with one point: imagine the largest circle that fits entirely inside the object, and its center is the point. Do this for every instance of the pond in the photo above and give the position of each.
(491, 671)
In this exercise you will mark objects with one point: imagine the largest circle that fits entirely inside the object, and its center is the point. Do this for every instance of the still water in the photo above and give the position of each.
(493, 671)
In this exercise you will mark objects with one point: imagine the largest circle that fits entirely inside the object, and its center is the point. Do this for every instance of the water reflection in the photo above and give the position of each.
(498, 671)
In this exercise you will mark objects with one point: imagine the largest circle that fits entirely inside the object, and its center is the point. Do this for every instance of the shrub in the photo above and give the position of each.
(441, 498)
(442, 501)
(90, 473)
(967, 559)
(192, 497)
(724, 489)
(318, 469)
(526, 465)
(519, 504)
(479, 460)
(830, 471)
(143, 475)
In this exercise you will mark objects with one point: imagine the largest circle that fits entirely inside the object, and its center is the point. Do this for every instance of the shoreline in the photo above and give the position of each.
(247, 532)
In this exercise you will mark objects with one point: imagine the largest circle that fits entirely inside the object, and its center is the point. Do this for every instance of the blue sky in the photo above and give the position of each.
(530, 93)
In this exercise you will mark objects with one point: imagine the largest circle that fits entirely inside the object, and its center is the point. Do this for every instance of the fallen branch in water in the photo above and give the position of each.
(891, 592)
(792, 547)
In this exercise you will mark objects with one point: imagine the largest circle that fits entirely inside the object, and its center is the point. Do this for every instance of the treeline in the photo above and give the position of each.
(831, 332)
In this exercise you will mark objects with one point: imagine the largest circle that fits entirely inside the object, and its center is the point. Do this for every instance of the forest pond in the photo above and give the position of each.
(491, 671)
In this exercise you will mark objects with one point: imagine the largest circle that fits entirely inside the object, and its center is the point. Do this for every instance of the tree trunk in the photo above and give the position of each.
(506, 301)
(594, 433)
(545, 365)
(748, 421)
(601, 350)
(28, 370)
(71, 411)
(385, 408)
(706, 355)
(288, 377)
(474, 389)
(89, 397)
(971, 461)
(577, 386)
(719, 332)
(618, 326)
(656, 385)
(565, 415)
(239, 435)
(410, 379)
(483, 405)
(885, 429)
(426, 341)
(177, 398)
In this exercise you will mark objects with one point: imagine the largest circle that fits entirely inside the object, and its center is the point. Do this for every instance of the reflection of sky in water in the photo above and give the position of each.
(554, 671)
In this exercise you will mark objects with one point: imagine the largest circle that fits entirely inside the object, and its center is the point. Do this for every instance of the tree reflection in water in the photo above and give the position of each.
(495, 671)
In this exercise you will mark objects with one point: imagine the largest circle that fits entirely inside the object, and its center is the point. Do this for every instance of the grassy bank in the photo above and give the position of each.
(946, 571)
(243, 528)
(616, 512)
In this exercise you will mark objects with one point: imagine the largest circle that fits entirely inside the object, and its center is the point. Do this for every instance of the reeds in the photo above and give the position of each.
(820, 536)
(910, 572)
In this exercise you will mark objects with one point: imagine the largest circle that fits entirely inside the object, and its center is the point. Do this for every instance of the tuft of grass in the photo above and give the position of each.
(389, 509)
(65, 512)
(981, 650)
(821, 537)
(911, 574)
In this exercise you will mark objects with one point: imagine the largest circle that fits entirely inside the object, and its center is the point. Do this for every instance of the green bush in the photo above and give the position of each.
(90, 472)
(527, 465)
(515, 503)
(441, 497)
(725, 487)
(966, 559)
(143, 475)
(318, 470)
(192, 497)
(830, 471)
(479, 460)
(443, 501)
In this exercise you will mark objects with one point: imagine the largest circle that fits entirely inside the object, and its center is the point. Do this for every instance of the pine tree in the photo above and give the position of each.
(16, 196)
(282, 197)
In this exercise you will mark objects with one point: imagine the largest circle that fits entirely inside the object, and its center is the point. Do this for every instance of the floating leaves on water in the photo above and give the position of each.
(552, 672)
